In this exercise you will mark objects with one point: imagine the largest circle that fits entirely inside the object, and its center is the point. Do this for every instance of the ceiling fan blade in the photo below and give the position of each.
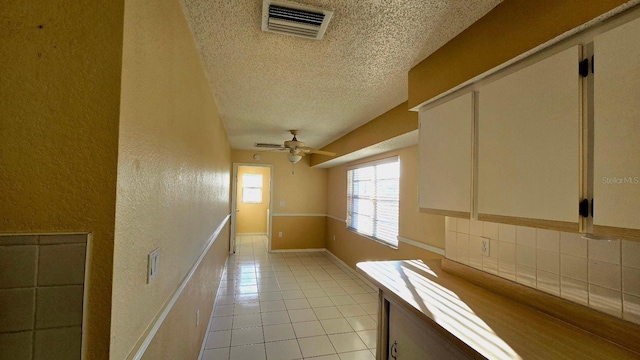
(316, 151)
(270, 146)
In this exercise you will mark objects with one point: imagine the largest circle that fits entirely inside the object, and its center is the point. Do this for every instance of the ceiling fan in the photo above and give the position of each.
(296, 148)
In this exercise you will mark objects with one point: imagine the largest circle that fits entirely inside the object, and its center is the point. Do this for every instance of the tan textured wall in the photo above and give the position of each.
(395, 122)
(303, 192)
(510, 29)
(351, 247)
(179, 337)
(298, 232)
(173, 168)
(59, 105)
(252, 218)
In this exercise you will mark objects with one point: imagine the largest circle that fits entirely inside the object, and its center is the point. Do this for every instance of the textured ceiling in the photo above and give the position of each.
(266, 83)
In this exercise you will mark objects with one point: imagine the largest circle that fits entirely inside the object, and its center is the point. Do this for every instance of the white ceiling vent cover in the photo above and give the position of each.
(294, 19)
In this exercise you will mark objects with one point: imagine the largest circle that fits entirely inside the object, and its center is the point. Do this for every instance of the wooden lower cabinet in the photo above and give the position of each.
(411, 339)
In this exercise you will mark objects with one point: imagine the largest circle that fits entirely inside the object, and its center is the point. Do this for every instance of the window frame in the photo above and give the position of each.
(349, 210)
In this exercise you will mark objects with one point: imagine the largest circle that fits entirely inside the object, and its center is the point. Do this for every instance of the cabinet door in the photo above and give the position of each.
(529, 145)
(409, 339)
(445, 150)
(616, 188)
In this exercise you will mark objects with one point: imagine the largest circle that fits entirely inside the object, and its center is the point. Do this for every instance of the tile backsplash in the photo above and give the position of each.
(41, 296)
(601, 274)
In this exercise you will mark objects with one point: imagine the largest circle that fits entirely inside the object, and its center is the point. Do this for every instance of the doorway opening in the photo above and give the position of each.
(251, 200)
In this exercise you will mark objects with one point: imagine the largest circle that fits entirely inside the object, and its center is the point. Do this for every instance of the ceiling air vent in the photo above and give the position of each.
(294, 19)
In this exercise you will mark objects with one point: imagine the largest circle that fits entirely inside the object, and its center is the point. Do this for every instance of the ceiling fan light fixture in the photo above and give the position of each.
(293, 158)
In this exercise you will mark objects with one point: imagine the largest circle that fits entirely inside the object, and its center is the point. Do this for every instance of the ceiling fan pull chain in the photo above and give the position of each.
(292, 169)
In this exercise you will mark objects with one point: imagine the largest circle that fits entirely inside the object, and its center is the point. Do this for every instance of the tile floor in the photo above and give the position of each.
(290, 306)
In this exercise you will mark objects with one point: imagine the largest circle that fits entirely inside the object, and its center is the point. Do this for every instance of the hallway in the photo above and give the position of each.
(295, 305)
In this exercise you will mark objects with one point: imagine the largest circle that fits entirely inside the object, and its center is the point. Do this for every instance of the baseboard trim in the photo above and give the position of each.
(247, 234)
(298, 250)
(337, 259)
(420, 245)
(176, 295)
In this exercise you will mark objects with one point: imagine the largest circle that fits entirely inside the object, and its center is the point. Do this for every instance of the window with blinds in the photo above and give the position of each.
(251, 188)
(373, 198)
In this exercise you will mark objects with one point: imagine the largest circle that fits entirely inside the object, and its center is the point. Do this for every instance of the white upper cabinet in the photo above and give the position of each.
(529, 145)
(616, 206)
(445, 150)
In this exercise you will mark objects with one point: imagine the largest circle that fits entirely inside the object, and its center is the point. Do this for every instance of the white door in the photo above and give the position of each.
(409, 339)
(616, 196)
(529, 129)
(445, 151)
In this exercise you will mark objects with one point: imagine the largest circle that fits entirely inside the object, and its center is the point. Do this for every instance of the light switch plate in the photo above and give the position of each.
(152, 265)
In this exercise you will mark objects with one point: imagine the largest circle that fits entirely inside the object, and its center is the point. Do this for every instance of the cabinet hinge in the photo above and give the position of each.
(593, 64)
(583, 208)
(583, 68)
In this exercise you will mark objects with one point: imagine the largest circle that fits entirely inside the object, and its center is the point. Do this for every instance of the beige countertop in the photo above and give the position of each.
(483, 323)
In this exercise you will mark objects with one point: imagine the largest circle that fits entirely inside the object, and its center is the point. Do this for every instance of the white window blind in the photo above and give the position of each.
(373, 198)
(252, 188)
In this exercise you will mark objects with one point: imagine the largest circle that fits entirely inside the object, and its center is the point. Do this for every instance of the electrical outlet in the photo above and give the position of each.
(282, 203)
(153, 259)
(334, 238)
(484, 248)
(280, 234)
(197, 318)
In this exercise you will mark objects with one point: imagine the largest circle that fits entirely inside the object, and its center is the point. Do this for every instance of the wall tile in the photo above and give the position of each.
(605, 275)
(475, 244)
(573, 244)
(631, 308)
(463, 256)
(507, 270)
(631, 254)
(574, 267)
(574, 290)
(548, 261)
(606, 251)
(463, 226)
(16, 346)
(62, 239)
(526, 275)
(451, 223)
(451, 253)
(18, 309)
(631, 280)
(18, 240)
(475, 260)
(548, 240)
(58, 344)
(605, 300)
(507, 233)
(61, 264)
(587, 272)
(506, 252)
(450, 245)
(18, 266)
(490, 264)
(526, 256)
(475, 227)
(548, 282)
(490, 230)
(462, 241)
(526, 236)
(59, 306)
